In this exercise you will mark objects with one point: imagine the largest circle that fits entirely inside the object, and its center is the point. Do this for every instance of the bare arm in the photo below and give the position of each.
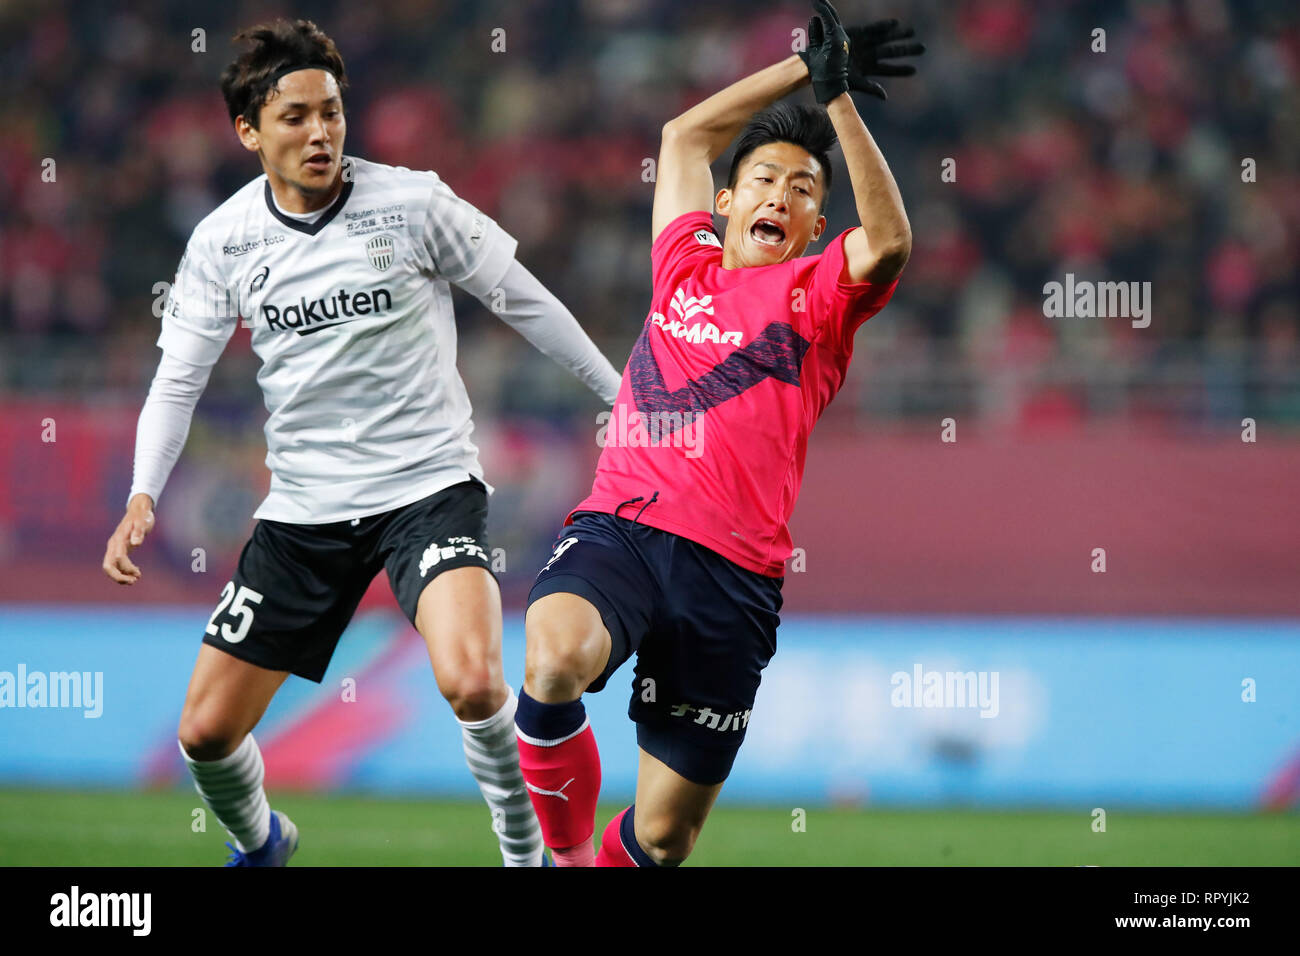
(878, 250)
(692, 141)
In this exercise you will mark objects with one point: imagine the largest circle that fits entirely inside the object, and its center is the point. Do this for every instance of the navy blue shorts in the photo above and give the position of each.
(701, 626)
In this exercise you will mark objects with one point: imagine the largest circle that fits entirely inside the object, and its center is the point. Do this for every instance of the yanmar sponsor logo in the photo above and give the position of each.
(687, 307)
(244, 248)
(311, 315)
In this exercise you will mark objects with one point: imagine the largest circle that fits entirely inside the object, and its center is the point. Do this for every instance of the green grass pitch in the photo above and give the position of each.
(72, 828)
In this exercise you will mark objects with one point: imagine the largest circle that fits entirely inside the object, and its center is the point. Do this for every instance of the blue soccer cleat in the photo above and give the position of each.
(277, 849)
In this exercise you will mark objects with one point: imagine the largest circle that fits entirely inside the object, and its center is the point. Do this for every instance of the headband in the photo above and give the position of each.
(295, 67)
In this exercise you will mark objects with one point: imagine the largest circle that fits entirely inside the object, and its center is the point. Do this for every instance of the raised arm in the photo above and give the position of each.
(692, 141)
(839, 60)
(878, 250)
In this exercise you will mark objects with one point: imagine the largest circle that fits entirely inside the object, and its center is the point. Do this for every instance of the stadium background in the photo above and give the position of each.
(1164, 685)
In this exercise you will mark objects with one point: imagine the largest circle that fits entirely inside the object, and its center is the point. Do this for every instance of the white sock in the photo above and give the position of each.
(232, 788)
(492, 752)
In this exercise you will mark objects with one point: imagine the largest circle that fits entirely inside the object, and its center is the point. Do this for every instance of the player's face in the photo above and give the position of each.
(772, 213)
(300, 134)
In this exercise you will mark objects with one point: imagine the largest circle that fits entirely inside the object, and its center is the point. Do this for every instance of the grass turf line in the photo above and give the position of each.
(120, 828)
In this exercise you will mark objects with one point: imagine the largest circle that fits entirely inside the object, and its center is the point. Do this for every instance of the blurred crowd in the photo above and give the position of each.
(1122, 165)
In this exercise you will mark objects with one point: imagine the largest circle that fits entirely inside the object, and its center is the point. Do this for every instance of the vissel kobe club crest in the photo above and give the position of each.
(380, 252)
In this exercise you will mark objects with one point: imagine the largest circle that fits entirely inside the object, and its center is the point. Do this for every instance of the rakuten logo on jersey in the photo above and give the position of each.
(687, 307)
(311, 315)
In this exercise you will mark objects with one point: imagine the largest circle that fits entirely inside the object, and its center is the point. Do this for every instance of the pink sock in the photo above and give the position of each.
(563, 782)
(612, 852)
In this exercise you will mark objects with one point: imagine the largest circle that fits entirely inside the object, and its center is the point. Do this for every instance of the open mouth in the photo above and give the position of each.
(767, 233)
(320, 162)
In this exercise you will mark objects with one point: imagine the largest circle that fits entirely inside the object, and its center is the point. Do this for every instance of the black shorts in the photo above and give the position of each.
(702, 628)
(298, 585)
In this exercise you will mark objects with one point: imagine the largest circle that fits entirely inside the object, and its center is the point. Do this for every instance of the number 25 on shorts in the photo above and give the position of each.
(237, 609)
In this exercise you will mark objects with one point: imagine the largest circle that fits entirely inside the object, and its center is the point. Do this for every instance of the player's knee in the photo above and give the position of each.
(666, 841)
(474, 693)
(559, 653)
(207, 738)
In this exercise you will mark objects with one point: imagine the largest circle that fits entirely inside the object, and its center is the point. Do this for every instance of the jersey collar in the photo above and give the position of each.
(311, 228)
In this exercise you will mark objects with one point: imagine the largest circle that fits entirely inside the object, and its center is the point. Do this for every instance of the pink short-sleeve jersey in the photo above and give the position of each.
(709, 433)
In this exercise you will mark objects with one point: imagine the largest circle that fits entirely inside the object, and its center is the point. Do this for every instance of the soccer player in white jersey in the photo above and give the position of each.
(341, 268)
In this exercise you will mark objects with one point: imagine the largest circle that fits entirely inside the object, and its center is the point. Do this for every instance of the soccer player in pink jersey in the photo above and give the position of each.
(678, 553)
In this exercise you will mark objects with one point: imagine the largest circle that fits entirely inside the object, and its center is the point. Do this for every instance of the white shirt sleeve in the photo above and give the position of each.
(532, 311)
(165, 422)
(465, 245)
(198, 320)
(200, 314)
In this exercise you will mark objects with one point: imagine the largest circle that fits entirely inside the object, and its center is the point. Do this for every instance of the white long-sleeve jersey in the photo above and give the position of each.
(351, 316)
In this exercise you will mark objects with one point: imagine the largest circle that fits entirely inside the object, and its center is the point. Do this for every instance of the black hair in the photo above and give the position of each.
(274, 49)
(808, 127)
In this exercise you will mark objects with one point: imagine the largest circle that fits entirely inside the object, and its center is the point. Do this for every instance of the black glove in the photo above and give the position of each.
(872, 43)
(827, 56)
